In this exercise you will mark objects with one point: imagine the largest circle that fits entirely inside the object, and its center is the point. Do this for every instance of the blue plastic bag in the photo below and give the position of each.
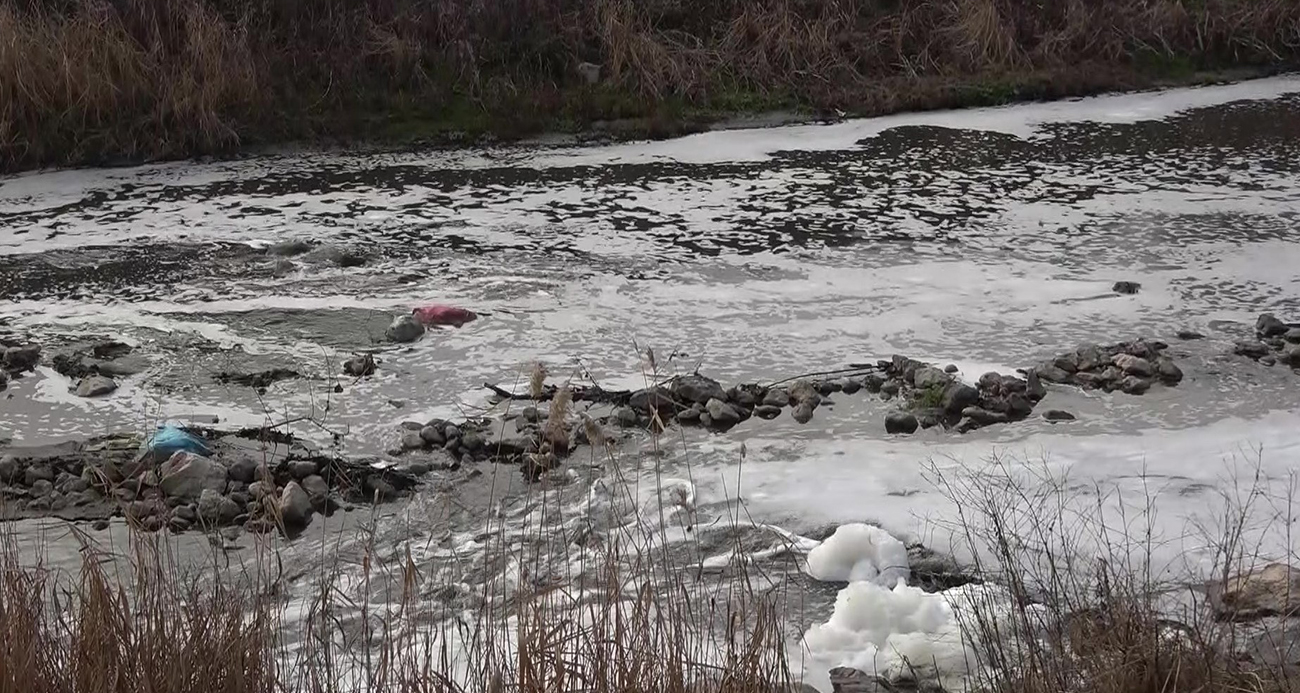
(170, 440)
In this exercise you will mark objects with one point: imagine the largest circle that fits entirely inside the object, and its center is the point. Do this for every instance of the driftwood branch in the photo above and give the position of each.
(581, 393)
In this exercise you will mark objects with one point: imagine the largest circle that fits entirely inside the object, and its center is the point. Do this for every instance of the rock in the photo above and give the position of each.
(984, 417)
(890, 388)
(776, 397)
(1273, 590)
(95, 386)
(1134, 385)
(360, 366)
(412, 440)
(38, 472)
(1251, 349)
(1090, 357)
(42, 487)
(686, 416)
(1267, 360)
(18, 359)
(951, 368)
(697, 388)
(1169, 371)
(244, 469)
(404, 329)
(850, 386)
(10, 470)
(803, 411)
(723, 415)
(1133, 365)
(767, 411)
(1067, 362)
(803, 391)
(654, 399)
(301, 469)
(1291, 357)
(432, 435)
(1056, 415)
(929, 376)
(282, 267)
(99, 525)
(706, 420)
(746, 396)
(1126, 287)
(1269, 326)
(1017, 406)
(1034, 387)
(1052, 374)
(901, 422)
(186, 475)
(826, 388)
(295, 506)
(1189, 335)
(216, 509)
(378, 489)
(451, 432)
(290, 248)
(1292, 335)
(261, 489)
(873, 382)
(71, 484)
(957, 396)
(316, 487)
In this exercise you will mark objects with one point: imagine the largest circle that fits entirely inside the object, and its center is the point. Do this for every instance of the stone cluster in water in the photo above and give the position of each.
(237, 486)
(1130, 367)
(1275, 342)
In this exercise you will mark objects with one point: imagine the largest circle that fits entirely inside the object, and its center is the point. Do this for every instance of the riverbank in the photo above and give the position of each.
(89, 82)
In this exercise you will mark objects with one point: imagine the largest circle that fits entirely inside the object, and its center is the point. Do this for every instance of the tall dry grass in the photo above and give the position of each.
(94, 80)
(1087, 600)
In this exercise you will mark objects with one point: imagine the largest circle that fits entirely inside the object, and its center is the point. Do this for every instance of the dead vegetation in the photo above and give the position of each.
(1087, 602)
(84, 81)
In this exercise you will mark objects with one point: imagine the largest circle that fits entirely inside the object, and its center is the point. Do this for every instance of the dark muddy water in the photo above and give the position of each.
(986, 238)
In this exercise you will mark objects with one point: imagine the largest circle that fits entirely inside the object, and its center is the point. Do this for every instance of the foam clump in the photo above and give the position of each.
(860, 552)
(892, 633)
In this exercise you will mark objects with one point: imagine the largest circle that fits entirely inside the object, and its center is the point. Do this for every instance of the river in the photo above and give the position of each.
(988, 238)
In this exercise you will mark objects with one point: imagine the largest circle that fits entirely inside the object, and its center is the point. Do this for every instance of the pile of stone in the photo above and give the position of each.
(1129, 367)
(1275, 342)
(17, 359)
(93, 368)
(239, 485)
(936, 397)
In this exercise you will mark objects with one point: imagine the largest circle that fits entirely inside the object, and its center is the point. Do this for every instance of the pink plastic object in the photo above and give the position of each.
(443, 315)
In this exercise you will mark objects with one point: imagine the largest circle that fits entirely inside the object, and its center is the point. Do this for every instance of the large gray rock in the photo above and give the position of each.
(216, 509)
(38, 472)
(654, 399)
(295, 506)
(1034, 387)
(404, 329)
(1132, 365)
(803, 411)
(10, 470)
(1292, 335)
(776, 397)
(1273, 590)
(1251, 349)
(929, 376)
(95, 386)
(1291, 356)
(1269, 326)
(301, 469)
(186, 475)
(901, 422)
(723, 415)
(316, 487)
(958, 396)
(22, 358)
(697, 388)
(244, 468)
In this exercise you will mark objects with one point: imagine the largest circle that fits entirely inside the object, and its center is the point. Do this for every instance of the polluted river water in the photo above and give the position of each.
(989, 239)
